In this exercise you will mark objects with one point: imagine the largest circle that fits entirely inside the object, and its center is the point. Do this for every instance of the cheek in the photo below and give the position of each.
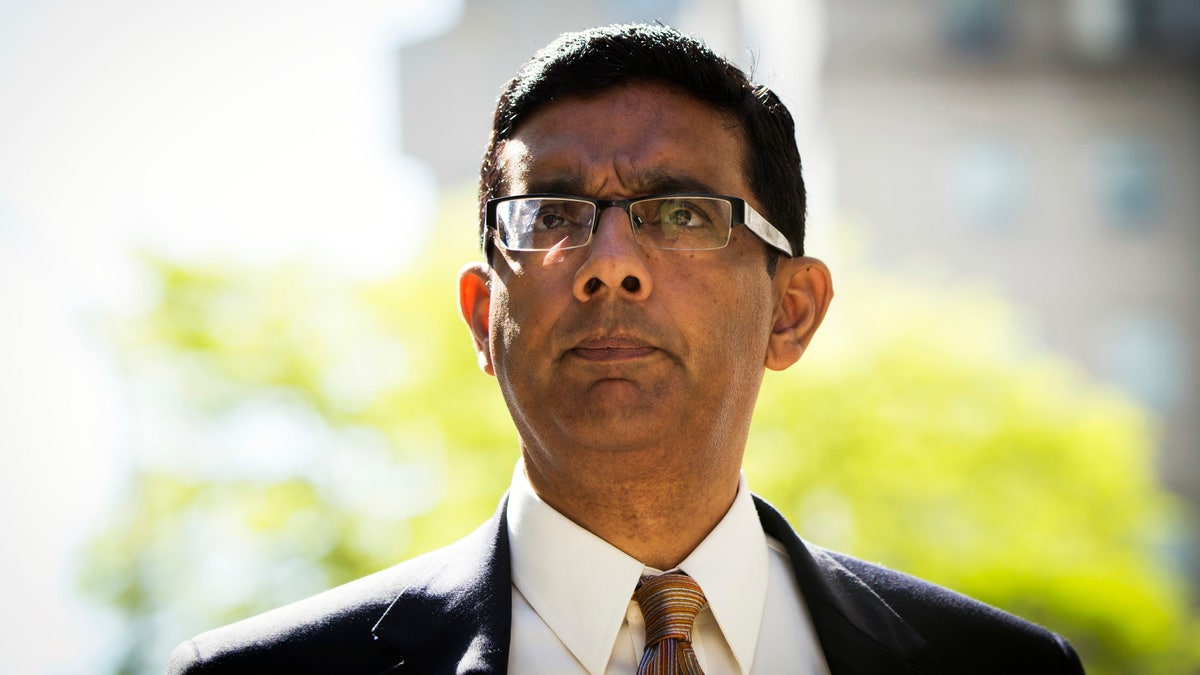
(748, 310)
(518, 316)
(728, 315)
(505, 327)
(738, 290)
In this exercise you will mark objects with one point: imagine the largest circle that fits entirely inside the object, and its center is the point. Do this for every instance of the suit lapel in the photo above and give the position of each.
(858, 631)
(456, 615)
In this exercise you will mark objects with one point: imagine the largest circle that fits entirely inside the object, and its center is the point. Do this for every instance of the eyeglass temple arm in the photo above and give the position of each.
(766, 231)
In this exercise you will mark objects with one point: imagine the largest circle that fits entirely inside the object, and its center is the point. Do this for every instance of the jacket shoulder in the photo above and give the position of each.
(327, 632)
(871, 619)
(960, 630)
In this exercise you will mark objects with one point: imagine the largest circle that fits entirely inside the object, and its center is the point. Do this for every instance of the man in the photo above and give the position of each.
(642, 213)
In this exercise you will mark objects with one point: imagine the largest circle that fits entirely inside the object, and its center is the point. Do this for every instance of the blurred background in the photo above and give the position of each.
(233, 373)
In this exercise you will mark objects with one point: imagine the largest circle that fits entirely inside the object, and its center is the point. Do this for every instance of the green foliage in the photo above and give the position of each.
(307, 431)
(920, 432)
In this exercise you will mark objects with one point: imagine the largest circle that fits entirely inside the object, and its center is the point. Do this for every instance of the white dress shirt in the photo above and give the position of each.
(573, 608)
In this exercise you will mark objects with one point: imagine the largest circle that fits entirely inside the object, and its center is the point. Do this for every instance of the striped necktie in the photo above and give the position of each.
(670, 603)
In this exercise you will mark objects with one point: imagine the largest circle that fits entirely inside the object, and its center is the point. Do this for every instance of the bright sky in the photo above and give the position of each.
(247, 130)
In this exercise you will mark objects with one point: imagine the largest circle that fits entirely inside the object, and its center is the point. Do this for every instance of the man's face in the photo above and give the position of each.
(615, 348)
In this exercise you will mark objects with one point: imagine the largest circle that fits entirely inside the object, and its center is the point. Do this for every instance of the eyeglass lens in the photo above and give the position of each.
(681, 222)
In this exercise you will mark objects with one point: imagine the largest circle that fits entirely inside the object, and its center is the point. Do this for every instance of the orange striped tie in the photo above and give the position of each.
(670, 603)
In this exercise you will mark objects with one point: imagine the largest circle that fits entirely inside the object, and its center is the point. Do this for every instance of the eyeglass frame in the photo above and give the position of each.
(741, 213)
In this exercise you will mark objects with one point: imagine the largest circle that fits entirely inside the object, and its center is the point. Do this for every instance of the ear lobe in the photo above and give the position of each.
(474, 304)
(805, 290)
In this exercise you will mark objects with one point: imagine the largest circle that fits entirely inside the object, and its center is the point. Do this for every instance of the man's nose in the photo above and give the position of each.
(615, 262)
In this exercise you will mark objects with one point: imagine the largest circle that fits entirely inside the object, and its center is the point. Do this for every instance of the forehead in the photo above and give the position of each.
(626, 141)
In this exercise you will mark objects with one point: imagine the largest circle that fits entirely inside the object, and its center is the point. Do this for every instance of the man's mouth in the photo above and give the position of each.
(612, 349)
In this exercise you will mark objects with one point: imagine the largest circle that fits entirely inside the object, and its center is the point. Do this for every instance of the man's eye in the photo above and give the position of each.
(680, 217)
(549, 221)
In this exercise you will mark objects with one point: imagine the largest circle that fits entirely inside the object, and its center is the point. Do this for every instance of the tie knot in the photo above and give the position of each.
(670, 603)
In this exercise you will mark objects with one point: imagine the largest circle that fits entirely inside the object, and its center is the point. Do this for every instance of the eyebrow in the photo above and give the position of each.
(661, 181)
(569, 184)
(652, 182)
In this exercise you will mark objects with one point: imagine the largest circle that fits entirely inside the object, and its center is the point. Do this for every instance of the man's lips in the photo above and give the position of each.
(612, 349)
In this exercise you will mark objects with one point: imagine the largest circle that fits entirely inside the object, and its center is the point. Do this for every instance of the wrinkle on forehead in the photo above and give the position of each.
(623, 143)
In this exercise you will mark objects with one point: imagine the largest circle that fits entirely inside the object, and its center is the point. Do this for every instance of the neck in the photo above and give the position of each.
(654, 512)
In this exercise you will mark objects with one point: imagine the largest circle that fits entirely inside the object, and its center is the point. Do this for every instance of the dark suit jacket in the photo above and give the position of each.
(450, 611)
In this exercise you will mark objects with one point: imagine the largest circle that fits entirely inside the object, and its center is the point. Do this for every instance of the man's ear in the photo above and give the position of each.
(474, 303)
(804, 290)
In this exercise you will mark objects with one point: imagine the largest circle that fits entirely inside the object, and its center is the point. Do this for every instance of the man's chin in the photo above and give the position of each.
(615, 428)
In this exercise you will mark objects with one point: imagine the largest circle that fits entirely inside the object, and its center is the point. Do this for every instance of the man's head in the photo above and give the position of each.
(589, 62)
(624, 354)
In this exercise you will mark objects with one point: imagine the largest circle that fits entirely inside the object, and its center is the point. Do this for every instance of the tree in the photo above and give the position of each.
(303, 431)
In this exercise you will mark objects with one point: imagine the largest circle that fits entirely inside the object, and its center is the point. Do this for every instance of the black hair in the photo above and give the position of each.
(590, 62)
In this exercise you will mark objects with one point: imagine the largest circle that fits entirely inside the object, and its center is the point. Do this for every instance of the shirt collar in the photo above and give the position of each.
(732, 565)
(578, 583)
(581, 585)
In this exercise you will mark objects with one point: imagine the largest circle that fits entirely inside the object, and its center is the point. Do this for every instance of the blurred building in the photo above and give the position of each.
(449, 83)
(1050, 148)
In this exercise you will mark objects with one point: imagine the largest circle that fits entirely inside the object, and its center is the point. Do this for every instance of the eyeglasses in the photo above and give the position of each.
(681, 222)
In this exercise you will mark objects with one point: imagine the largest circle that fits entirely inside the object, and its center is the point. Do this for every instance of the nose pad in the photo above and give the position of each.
(606, 218)
(614, 234)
